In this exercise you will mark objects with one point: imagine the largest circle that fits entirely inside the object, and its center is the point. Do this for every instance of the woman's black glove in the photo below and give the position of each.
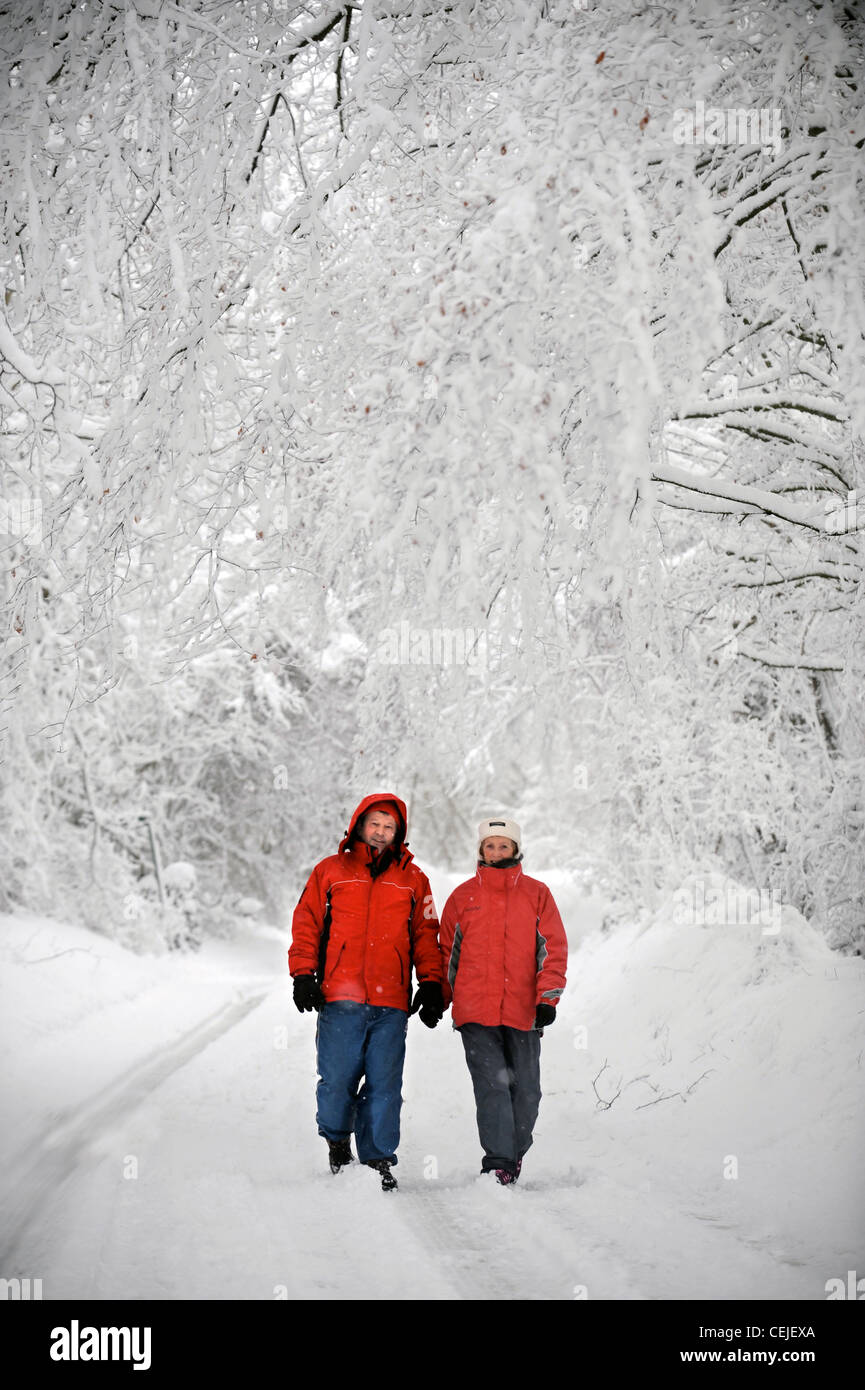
(545, 1014)
(307, 994)
(430, 1002)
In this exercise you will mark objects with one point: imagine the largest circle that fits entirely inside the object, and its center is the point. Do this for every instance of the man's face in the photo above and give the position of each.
(496, 847)
(377, 829)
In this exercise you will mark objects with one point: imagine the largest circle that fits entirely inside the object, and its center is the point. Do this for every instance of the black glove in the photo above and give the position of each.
(430, 1002)
(545, 1014)
(307, 994)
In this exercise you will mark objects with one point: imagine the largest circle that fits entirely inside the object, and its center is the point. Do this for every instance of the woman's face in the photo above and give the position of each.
(496, 847)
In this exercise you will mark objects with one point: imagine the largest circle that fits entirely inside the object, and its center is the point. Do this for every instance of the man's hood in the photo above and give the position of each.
(368, 801)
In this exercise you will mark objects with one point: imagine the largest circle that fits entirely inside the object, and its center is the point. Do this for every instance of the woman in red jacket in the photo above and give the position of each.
(505, 955)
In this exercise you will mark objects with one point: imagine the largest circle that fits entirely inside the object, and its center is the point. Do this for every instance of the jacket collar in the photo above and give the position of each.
(490, 877)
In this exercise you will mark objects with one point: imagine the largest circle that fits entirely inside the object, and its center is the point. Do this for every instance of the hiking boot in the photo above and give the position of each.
(382, 1165)
(339, 1153)
(504, 1177)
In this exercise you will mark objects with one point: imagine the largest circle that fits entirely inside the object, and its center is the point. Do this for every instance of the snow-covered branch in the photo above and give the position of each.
(747, 499)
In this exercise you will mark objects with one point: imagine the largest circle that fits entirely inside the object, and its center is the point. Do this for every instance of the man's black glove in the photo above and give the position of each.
(545, 1014)
(430, 1002)
(307, 994)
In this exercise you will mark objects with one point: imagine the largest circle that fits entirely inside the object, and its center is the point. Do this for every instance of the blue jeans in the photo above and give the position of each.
(354, 1041)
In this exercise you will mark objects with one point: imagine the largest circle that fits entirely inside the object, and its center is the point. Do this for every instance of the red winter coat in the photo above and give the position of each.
(504, 949)
(359, 935)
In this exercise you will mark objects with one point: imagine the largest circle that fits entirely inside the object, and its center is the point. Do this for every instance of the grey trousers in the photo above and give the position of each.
(505, 1067)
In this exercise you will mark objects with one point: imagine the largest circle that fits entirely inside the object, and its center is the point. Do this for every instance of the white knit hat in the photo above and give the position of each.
(489, 829)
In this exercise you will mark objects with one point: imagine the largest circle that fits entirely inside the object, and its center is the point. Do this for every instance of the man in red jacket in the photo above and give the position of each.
(505, 956)
(364, 919)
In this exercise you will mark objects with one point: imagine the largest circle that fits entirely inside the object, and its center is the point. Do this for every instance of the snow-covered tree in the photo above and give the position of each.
(536, 327)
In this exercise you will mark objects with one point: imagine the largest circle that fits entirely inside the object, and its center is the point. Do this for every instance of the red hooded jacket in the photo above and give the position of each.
(504, 947)
(360, 935)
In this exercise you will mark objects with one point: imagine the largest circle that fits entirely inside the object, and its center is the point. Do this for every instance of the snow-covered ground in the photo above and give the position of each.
(700, 1136)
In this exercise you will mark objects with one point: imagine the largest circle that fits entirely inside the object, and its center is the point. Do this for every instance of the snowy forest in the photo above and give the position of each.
(458, 403)
(467, 398)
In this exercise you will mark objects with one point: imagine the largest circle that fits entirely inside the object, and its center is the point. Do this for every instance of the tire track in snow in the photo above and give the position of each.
(458, 1240)
(52, 1157)
(498, 1244)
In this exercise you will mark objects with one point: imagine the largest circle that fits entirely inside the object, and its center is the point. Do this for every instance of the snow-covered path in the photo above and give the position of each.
(231, 1197)
(195, 1172)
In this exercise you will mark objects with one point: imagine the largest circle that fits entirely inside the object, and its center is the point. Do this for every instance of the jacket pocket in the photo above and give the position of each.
(331, 962)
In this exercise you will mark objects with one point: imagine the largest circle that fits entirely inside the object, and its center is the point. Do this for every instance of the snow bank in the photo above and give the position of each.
(734, 1049)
